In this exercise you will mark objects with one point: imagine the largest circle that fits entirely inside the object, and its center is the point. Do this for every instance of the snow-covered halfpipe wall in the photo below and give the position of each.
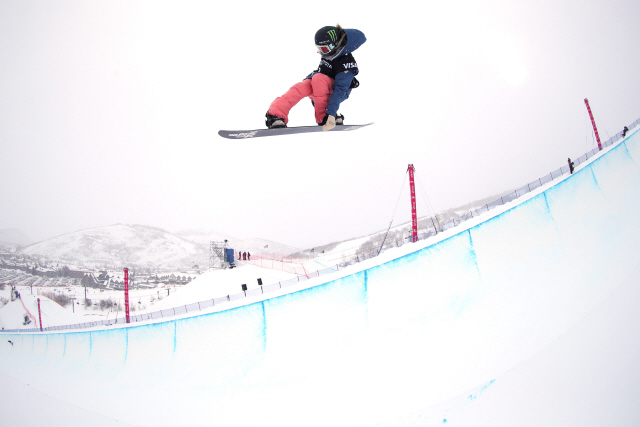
(383, 343)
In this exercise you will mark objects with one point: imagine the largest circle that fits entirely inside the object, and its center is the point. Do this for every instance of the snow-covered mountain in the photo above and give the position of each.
(13, 237)
(142, 246)
(131, 245)
(145, 246)
(341, 251)
(253, 245)
(203, 237)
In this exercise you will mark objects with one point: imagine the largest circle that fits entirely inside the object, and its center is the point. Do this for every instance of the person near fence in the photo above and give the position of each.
(329, 85)
(624, 131)
(249, 256)
(570, 165)
(244, 256)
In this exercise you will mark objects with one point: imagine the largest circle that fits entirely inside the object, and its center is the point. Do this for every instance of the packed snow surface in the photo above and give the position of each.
(441, 331)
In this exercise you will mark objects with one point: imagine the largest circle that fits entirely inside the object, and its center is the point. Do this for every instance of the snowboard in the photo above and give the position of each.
(258, 133)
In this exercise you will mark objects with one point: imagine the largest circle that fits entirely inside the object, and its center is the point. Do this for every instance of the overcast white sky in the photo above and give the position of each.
(109, 111)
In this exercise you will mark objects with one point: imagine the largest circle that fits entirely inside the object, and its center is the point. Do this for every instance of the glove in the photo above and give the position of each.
(330, 124)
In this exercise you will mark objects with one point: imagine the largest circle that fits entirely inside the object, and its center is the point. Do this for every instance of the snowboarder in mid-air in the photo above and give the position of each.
(329, 85)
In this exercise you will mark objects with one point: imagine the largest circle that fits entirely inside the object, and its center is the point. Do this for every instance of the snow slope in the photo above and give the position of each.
(12, 314)
(253, 245)
(122, 245)
(141, 245)
(422, 334)
(15, 237)
(218, 283)
(589, 377)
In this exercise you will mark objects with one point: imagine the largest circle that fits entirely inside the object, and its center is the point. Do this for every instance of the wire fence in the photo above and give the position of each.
(275, 264)
(351, 260)
(291, 259)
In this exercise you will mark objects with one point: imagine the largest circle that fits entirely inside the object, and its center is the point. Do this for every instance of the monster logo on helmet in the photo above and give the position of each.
(328, 39)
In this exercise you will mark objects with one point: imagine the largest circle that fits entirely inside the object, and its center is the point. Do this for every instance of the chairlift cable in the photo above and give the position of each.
(429, 205)
(605, 129)
(394, 211)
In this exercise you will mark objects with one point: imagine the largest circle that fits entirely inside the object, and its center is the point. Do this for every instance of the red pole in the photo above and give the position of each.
(593, 123)
(414, 215)
(39, 315)
(126, 293)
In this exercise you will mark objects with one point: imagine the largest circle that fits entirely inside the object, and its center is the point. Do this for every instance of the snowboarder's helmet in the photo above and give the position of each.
(327, 39)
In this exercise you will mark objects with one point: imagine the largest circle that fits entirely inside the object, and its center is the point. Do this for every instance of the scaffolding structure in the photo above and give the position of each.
(218, 255)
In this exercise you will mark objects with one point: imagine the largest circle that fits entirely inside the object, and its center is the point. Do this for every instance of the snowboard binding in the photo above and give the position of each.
(274, 122)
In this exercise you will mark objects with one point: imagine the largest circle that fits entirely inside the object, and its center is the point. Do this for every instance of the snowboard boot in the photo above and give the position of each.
(274, 122)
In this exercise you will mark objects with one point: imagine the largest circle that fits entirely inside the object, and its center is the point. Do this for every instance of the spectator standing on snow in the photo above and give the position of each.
(570, 165)
(624, 131)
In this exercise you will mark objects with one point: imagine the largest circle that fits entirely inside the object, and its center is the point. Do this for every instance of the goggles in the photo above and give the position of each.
(325, 48)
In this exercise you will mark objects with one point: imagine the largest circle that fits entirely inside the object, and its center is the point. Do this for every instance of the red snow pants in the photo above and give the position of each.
(318, 89)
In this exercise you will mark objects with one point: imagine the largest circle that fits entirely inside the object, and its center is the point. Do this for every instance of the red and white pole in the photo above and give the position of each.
(39, 315)
(126, 293)
(593, 123)
(414, 215)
